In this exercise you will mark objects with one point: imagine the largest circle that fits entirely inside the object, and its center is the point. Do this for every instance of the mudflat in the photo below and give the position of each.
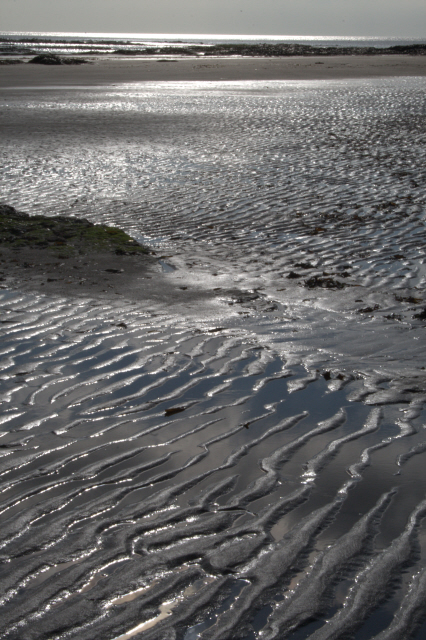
(111, 71)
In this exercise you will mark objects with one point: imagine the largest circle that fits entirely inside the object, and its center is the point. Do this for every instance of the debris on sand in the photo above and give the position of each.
(315, 282)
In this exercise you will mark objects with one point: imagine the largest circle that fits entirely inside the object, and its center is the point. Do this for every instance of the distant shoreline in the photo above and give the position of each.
(29, 46)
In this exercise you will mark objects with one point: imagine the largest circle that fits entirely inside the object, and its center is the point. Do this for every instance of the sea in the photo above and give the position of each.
(250, 464)
(107, 43)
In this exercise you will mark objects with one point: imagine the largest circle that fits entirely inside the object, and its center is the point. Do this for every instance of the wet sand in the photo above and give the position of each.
(111, 71)
(134, 278)
(210, 477)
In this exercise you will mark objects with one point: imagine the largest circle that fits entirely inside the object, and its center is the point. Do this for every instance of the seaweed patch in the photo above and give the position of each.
(63, 235)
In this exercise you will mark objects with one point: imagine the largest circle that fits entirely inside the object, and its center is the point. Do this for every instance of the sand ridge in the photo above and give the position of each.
(106, 71)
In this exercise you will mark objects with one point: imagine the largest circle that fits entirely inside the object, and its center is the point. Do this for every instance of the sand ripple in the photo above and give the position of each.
(250, 472)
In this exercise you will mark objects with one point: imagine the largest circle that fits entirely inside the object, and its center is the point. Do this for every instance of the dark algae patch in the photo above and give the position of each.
(62, 235)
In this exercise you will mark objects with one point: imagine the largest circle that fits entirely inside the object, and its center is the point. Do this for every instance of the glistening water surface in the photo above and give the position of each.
(27, 43)
(250, 467)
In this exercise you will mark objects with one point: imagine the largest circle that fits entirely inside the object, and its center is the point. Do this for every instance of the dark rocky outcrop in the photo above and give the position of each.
(54, 59)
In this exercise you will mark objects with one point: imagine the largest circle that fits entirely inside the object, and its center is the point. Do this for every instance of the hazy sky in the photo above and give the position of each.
(405, 18)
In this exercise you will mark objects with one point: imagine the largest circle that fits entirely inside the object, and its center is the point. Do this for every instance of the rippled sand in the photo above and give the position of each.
(249, 464)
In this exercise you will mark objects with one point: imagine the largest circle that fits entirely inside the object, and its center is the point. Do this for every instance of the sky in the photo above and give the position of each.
(403, 18)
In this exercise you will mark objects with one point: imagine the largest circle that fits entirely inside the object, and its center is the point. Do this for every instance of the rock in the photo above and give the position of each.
(421, 315)
(54, 59)
(46, 58)
(173, 410)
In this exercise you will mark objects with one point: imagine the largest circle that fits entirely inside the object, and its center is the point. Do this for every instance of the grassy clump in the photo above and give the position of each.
(69, 236)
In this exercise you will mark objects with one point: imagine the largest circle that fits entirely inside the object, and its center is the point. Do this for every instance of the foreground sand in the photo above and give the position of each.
(110, 70)
(216, 476)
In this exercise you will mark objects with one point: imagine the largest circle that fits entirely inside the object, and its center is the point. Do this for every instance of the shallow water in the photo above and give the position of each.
(108, 43)
(249, 468)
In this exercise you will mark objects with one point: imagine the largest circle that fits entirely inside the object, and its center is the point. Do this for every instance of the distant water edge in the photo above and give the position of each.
(94, 43)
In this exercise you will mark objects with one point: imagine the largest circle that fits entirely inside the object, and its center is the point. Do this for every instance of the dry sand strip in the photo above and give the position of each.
(109, 71)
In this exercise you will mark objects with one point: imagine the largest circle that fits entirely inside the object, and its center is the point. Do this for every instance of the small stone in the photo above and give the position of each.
(173, 410)
(421, 315)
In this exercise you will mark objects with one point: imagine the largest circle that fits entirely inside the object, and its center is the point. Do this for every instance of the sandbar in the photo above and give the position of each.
(110, 71)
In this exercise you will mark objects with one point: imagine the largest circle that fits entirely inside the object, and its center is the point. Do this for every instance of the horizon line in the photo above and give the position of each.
(208, 35)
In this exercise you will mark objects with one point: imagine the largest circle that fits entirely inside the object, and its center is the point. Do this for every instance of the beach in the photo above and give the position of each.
(224, 438)
(110, 71)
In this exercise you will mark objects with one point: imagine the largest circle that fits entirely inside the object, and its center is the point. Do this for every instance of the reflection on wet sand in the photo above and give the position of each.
(250, 466)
